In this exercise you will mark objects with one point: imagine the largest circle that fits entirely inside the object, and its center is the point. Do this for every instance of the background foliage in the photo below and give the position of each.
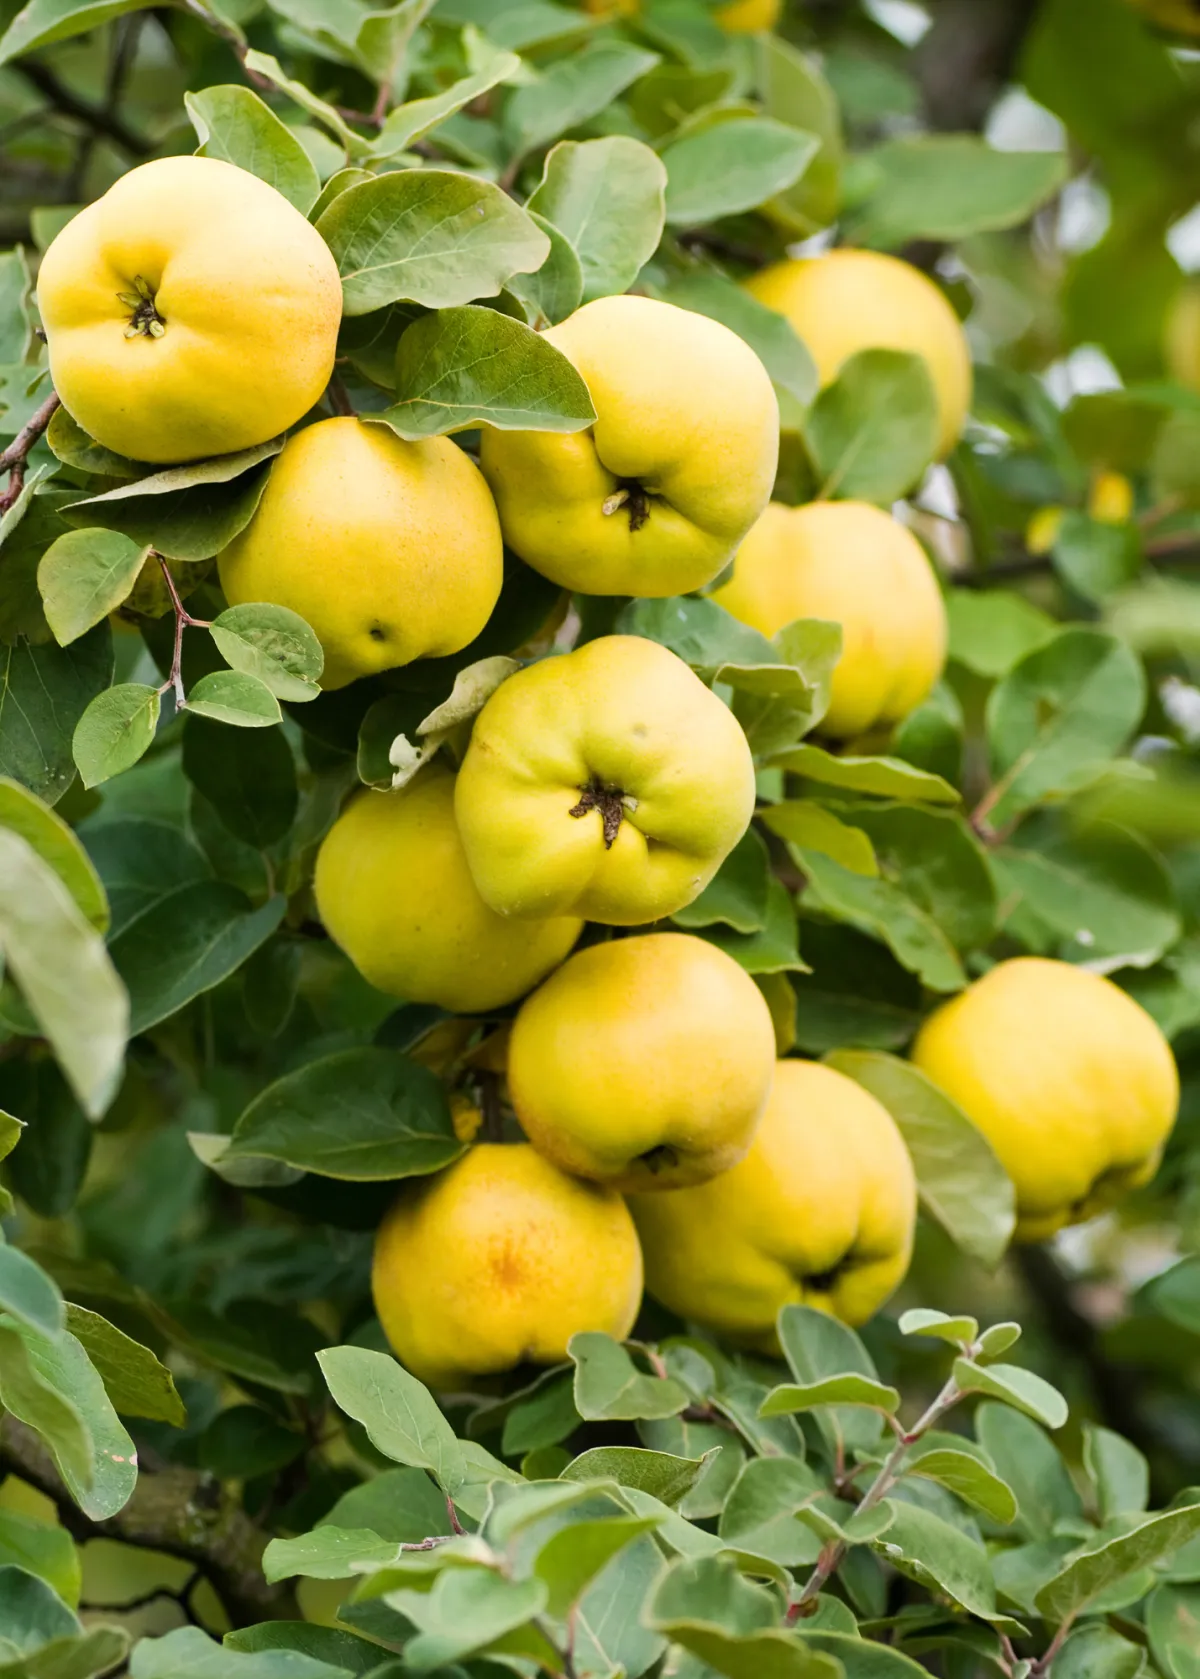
(184, 1285)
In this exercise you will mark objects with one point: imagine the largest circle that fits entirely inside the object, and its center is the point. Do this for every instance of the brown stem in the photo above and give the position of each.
(830, 1560)
(455, 1524)
(383, 99)
(339, 397)
(15, 457)
(183, 620)
(177, 1511)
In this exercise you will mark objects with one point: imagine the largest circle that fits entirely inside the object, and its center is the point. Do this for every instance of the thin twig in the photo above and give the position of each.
(15, 457)
(183, 620)
(339, 397)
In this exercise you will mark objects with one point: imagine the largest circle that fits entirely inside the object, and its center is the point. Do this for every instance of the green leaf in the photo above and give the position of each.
(707, 1607)
(115, 731)
(82, 576)
(364, 1115)
(816, 1346)
(249, 777)
(847, 1389)
(699, 631)
(927, 1549)
(414, 120)
(43, 21)
(72, 445)
(738, 894)
(187, 512)
(860, 1658)
(1095, 1651)
(140, 862)
(1117, 1470)
(610, 1387)
(28, 1294)
(31, 1612)
(235, 125)
(103, 1483)
(1023, 1453)
(961, 1182)
(15, 287)
(1095, 557)
(874, 430)
(760, 1513)
(1020, 1388)
(570, 91)
(811, 826)
(272, 643)
(725, 162)
(23, 813)
(66, 978)
(555, 290)
(44, 691)
(794, 90)
(1173, 1623)
(1059, 716)
(774, 340)
(774, 949)
(572, 1558)
(889, 778)
(472, 366)
(921, 1320)
(189, 1653)
(37, 1401)
(857, 995)
(661, 1474)
(427, 236)
(328, 1553)
(883, 910)
(970, 1480)
(1096, 1570)
(234, 697)
(43, 1549)
(398, 1412)
(607, 197)
(467, 1611)
(1101, 889)
(187, 943)
(934, 857)
(263, 64)
(990, 629)
(56, 1144)
(137, 1383)
(948, 186)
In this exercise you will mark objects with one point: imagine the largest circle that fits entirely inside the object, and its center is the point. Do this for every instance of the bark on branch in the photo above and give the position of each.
(177, 1511)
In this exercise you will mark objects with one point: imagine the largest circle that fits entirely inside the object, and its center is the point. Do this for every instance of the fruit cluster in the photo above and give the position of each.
(601, 787)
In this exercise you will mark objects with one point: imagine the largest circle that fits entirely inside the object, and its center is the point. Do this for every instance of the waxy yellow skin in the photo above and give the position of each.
(1070, 1080)
(248, 296)
(499, 1259)
(686, 410)
(624, 714)
(390, 550)
(643, 1063)
(847, 301)
(857, 566)
(394, 891)
(821, 1213)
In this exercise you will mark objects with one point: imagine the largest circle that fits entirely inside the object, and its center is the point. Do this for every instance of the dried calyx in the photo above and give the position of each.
(609, 801)
(144, 320)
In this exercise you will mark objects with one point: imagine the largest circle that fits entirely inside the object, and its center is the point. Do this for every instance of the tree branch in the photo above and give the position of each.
(69, 104)
(176, 1511)
(968, 57)
(14, 458)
